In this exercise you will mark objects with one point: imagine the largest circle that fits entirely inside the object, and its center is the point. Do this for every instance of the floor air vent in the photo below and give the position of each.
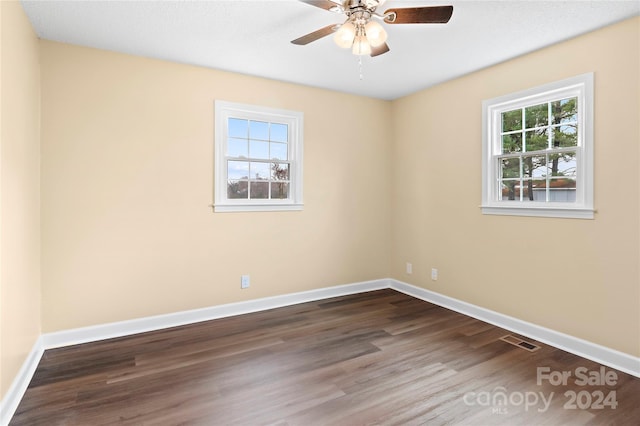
(520, 343)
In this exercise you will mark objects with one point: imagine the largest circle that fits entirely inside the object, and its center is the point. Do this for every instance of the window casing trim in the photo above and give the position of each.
(580, 87)
(295, 121)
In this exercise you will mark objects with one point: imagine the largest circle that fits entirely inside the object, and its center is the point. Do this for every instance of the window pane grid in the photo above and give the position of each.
(258, 179)
(537, 153)
(257, 139)
(525, 129)
(539, 177)
(257, 159)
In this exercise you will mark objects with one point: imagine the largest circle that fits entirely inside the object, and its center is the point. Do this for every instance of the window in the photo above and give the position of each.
(258, 158)
(538, 151)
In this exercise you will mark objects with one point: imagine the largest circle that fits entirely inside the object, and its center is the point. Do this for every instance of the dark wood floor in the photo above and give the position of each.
(374, 358)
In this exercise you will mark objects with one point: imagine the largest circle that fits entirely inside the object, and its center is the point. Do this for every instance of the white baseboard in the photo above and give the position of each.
(601, 354)
(19, 385)
(609, 357)
(141, 325)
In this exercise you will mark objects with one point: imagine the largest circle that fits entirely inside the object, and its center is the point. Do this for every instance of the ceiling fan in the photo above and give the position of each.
(361, 31)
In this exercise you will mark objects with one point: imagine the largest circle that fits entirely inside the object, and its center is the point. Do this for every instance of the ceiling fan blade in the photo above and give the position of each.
(318, 34)
(419, 15)
(379, 50)
(322, 4)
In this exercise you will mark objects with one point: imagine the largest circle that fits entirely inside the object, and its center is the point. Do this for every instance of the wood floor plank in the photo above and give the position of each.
(374, 358)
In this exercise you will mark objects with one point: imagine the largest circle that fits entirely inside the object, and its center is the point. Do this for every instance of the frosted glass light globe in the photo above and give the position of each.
(375, 33)
(361, 46)
(345, 35)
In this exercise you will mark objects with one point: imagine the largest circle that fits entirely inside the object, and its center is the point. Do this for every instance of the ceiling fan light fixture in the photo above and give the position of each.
(360, 32)
(375, 33)
(345, 35)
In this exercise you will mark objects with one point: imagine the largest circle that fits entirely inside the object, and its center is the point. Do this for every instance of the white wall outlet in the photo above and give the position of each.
(434, 274)
(409, 268)
(244, 281)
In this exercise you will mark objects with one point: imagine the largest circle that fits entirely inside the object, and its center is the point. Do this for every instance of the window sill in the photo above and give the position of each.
(222, 208)
(540, 211)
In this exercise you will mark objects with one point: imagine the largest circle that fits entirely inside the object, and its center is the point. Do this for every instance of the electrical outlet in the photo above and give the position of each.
(244, 281)
(434, 274)
(409, 268)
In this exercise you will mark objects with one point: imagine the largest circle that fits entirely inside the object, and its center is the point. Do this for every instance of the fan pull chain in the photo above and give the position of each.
(360, 67)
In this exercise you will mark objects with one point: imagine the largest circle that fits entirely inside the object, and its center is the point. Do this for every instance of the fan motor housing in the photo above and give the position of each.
(369, 5)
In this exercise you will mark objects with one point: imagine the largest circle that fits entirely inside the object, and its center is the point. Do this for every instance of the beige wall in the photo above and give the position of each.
(579, 277)
(127, 172)
(19, 191)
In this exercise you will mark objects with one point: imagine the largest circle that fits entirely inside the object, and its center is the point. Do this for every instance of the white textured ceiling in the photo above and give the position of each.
(253, 37)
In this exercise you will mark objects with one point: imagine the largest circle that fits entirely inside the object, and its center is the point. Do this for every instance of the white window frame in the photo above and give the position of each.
(580, 87)
(294, 120)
